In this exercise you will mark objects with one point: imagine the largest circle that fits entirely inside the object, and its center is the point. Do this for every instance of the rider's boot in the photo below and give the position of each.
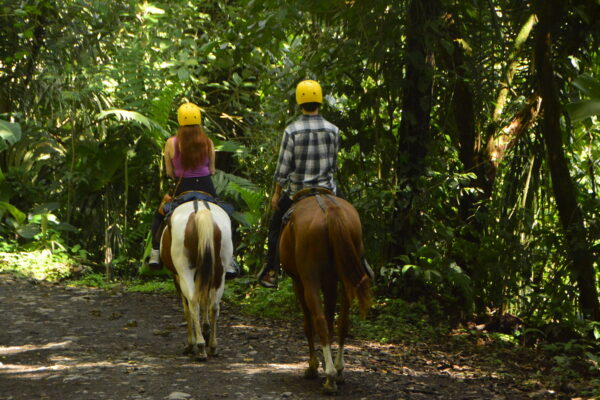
(267, 277)
(154, 261)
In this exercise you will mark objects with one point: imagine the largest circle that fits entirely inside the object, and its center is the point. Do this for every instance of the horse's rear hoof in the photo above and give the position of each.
(200, 353)
(213, 352)
(329, 387)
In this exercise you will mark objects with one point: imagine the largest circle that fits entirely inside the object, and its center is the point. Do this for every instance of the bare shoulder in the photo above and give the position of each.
(169, 149)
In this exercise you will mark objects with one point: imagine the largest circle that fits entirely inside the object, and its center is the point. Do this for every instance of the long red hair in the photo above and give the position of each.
(194, 145)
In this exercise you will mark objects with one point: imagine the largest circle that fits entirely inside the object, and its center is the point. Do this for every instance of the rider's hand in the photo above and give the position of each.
(275, 201)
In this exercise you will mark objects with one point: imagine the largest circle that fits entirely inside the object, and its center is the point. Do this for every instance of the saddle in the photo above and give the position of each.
(184, 197)
(305, 193)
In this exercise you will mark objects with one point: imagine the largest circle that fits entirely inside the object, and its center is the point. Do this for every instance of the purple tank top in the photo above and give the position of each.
(201, 169)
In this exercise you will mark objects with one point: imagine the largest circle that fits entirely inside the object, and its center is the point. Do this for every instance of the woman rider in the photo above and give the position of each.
(190, 161)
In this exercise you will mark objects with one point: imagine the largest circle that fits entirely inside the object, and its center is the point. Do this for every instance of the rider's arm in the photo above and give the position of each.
(276, 195)
(212, 155)
(169, 153)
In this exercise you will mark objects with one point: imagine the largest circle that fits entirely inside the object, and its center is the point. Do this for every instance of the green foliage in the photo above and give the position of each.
(38, 264)
(147, 123)
(583, 109)
(10, 133)
(394, 320)
(256, 300)
(160, 286)
(91, 90)
(92, 280)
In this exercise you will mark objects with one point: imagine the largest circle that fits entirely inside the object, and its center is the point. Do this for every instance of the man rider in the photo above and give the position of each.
(307, 158)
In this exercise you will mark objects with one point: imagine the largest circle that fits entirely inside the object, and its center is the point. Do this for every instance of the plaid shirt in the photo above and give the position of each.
(308, 154)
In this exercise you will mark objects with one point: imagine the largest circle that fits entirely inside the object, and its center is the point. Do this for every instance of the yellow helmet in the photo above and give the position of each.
(309, 91)
(188, 114)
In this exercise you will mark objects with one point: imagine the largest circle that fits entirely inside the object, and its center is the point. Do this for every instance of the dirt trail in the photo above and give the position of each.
(58, 342)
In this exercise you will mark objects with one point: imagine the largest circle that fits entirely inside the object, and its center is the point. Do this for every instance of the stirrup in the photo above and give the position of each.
(368, 268)
(233, 271)
(154, 260)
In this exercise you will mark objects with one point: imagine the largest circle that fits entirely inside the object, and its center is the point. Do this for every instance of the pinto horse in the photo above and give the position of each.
(321, 246)
(195, 246)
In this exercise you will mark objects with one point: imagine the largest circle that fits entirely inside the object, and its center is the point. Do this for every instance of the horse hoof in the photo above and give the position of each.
(200, 353)
(201, 357)
(212, 351)
(329, 387)
(340, 379)
(311, 373)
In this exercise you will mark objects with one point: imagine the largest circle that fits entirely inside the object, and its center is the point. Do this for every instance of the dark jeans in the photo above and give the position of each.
(275, 229)
(203, 183)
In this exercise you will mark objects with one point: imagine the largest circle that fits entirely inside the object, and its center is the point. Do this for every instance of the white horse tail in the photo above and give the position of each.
(205, 257)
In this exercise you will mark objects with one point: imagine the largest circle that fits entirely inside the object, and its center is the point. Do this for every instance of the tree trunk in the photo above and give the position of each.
(414, 130)
(582, 268)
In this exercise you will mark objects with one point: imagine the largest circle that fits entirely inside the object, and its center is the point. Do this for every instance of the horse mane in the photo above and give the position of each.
(347, 259)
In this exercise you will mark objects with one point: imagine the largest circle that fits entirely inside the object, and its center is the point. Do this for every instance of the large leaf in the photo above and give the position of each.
(253, 199)
(222, 181)
(10, 133)
(14, 211)
(126, 115)
(588, 86)
(583, 109)
(229, 146)
(45, 208)
(29, 231)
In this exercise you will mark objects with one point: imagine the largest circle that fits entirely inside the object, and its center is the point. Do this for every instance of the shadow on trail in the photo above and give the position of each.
(72, 343)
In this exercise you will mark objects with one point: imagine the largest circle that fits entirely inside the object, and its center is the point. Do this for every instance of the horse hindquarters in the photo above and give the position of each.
(192, 252)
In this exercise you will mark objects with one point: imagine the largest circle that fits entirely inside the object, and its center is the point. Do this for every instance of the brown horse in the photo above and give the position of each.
(320, 246)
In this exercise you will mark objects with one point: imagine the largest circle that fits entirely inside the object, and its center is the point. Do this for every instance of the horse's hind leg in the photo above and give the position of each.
(213, 316)
(189, 348)
(205, 322)
(312, 372)
(343, 323)
(199, 343)
(330, 299)
(313, 302)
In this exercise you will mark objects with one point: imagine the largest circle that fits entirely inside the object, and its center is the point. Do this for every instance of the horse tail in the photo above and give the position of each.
(206, 248)
(347, 259)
